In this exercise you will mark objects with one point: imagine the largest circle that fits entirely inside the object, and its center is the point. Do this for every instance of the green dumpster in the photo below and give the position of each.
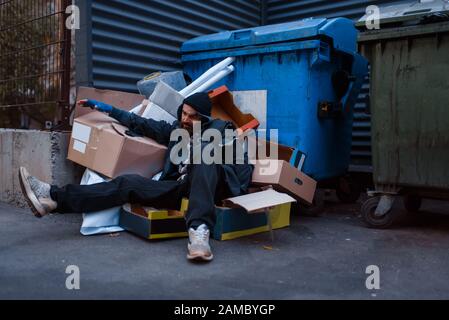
(409, 106)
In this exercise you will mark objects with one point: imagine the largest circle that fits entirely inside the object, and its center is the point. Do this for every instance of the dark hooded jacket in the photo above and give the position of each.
(237, 176)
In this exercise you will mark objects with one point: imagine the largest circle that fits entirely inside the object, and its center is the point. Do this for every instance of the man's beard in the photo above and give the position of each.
(188, 128)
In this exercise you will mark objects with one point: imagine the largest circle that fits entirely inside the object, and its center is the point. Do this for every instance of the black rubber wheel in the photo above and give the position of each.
(372, 221)
(348, 190)
(412, 203)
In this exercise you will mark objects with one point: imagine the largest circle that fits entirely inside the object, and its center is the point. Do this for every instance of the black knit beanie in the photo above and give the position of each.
(200, 102)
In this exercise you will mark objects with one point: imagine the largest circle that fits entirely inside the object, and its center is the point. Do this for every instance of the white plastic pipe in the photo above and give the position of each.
(209, 83)
(189, 90)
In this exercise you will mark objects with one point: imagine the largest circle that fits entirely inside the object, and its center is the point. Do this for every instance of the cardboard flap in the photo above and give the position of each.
(143, 107)
(136, 209)
(254, 202)
(95, 119)
(121, 130)
(122, 100)
(223, 108)
(264, 147)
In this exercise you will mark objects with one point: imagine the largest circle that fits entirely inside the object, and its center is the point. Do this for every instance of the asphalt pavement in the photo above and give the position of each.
(323, 257)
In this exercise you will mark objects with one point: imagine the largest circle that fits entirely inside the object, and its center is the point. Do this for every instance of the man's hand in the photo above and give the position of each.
(97, 105)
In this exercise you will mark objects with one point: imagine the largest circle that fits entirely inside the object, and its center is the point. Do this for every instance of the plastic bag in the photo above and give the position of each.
(106, 221)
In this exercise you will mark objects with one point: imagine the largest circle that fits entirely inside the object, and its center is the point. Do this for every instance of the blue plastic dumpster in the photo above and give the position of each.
(311, 74)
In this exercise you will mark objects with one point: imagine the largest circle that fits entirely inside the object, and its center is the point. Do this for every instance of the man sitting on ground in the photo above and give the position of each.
(203, 184)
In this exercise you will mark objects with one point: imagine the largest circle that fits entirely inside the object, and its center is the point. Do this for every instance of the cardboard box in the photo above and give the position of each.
(264, 147)
(231, 223)
(118, 99)
(223, 108)
(154, 224)
(285, 178)
(102, 145)
(279, 171)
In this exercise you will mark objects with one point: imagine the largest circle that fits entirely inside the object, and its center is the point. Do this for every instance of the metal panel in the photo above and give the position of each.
(361, 133)
(279, 11)
(409, 105)
(282, 10)
(132, 38)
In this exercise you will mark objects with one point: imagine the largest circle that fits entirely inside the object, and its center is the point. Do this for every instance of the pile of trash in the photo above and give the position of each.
(107, 150)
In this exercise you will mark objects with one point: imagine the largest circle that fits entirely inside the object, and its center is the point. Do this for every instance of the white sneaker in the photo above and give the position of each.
(37, 194)
(199, 248)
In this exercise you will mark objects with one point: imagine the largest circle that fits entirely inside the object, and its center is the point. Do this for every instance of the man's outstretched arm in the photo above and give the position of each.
(157, 130)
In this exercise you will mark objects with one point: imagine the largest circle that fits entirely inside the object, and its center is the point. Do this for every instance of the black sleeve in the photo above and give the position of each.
(157, 130)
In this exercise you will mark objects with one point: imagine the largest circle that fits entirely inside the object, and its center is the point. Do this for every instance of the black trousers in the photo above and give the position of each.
(204, 186)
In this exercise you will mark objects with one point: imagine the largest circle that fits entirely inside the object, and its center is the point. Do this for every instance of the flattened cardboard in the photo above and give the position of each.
(285, 178)
(223, 108)
(111, 152)
(118, 99)
(254, 202)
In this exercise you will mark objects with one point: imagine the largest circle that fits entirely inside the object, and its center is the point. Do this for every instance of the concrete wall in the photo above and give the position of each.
(42, 153)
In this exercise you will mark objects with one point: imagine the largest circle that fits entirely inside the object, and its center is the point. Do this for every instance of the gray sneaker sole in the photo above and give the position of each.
(199, 257)
(29, 195)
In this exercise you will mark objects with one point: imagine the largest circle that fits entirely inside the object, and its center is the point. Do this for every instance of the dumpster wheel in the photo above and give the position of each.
(348, 190)
(369, 217)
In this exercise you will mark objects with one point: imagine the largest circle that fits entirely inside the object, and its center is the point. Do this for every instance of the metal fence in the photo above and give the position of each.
(34, 64)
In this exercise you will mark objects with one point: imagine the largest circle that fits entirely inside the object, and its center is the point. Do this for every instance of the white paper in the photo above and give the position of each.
(253, 102)
(79, 146)
(81, 132)
(261, 200)
(105, 221)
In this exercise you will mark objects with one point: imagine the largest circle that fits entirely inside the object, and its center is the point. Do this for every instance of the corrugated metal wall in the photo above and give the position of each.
(132, 38)
(278, 11)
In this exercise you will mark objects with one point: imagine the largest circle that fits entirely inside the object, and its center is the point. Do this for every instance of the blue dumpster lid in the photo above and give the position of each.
(341, 30)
